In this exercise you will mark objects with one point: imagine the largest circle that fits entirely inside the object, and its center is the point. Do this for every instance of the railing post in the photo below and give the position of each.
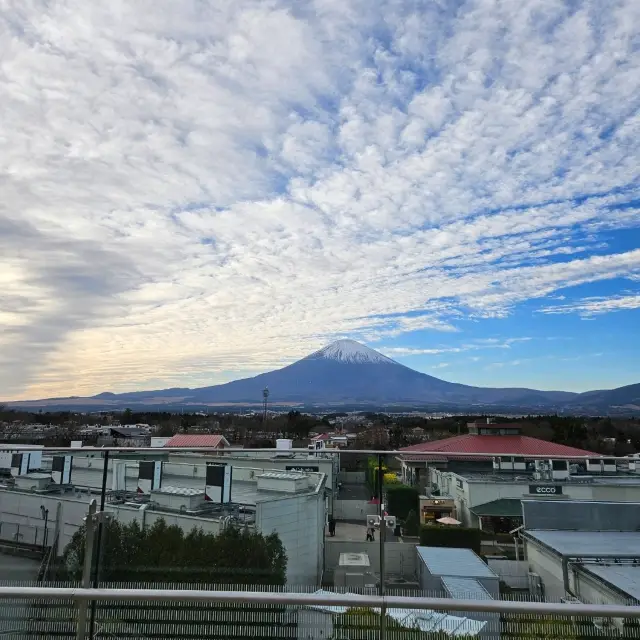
(383, 525)
(86, 570)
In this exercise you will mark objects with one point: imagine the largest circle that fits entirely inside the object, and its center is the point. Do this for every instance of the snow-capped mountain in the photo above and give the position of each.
(344, 372)
(350, 351)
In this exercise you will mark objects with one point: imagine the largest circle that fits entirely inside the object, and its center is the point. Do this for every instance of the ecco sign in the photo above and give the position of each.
(541, 489)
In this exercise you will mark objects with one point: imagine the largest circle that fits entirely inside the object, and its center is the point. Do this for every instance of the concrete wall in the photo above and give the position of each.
(512, 572)
(300, 523)
(400, 557)
(584, 516)
(23, 508)
(589, 589)
(314, 624)
(549, 567)
(353, 510)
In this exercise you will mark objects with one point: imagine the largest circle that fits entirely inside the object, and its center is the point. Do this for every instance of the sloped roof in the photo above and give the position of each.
(485, 446)
(205, 440)
(502, 507)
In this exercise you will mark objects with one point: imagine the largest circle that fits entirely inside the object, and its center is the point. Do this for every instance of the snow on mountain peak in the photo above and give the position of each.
(352, 352)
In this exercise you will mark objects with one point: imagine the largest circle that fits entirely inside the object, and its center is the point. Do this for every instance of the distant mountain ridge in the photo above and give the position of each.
(346, 372)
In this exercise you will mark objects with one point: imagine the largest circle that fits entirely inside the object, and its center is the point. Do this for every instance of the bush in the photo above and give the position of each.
(460, 537)
(412, 524)
(401, 500)
(163, 552)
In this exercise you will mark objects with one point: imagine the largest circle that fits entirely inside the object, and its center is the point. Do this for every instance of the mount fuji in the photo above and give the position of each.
(349, 373)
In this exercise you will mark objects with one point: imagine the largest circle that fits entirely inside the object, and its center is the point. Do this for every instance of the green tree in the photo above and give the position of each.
(164, 553)
(402, 499)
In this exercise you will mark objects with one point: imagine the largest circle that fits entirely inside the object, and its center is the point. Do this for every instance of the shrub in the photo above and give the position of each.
(401, 500)
(461, 537)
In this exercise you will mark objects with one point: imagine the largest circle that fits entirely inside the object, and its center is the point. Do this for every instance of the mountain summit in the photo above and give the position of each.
(350, 351)
(346, 372)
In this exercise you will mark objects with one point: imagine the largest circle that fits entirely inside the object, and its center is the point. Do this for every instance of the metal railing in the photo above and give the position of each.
(251, 613)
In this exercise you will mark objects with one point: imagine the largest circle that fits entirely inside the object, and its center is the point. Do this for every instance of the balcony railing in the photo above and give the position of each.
(39, 612)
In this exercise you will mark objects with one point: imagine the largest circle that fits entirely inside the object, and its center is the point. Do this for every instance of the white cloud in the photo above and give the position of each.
(589, 307)
(192, 189)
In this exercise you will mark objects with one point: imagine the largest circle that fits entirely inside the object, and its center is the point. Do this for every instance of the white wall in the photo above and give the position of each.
(549, 567)
(300, 523)
(512, 572)
(353, 510)
(23, 508)
(400, 557)
(314, 624)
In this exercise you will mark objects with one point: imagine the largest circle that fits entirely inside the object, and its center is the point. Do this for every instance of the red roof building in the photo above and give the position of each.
(185, 440)
(486, 446)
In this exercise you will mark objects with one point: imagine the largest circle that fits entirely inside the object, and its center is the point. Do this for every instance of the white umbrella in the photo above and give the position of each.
(448, 520)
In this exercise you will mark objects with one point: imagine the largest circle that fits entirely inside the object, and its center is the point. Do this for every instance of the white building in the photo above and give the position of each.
(487, 472)
(292, 504)
(589, 551)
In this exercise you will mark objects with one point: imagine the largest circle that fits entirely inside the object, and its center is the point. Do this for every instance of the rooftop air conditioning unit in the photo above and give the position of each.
(609, 465)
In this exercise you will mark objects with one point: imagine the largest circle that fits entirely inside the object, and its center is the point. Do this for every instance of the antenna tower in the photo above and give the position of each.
(265, 402)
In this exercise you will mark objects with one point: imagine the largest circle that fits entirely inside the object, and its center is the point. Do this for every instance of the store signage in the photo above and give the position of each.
(459, 483)
(301, 467)
(545, 489)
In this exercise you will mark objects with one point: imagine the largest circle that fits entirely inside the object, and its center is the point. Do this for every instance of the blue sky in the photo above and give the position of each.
(200, 190)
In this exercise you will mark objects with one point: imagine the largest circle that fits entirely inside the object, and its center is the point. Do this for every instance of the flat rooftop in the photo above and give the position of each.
(623, 577)
(446, 561)
(242, 492)
(589, 543)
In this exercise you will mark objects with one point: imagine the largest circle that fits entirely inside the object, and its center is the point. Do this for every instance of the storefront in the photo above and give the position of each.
(432, 509)
(499, 516)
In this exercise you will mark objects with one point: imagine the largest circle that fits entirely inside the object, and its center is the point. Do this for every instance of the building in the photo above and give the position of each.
(461, 574)
(487, 473)
(186, 440)
(319, 621)
(125, 437)
(289, 503)
(589, 551)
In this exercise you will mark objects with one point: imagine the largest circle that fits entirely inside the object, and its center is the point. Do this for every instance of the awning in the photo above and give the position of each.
(500, 508)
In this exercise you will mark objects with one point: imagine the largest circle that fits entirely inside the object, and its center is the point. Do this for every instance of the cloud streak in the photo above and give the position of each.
(589, 307)
(196, 189)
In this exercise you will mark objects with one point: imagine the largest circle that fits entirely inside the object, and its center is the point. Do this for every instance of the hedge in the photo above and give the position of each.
(401, 500)
(461, 537)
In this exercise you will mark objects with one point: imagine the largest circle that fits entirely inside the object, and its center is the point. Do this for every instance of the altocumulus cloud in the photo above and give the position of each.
(229, 184)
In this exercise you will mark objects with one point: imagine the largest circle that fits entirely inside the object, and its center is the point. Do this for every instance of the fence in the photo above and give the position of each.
(126, 611)
(24, 533)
